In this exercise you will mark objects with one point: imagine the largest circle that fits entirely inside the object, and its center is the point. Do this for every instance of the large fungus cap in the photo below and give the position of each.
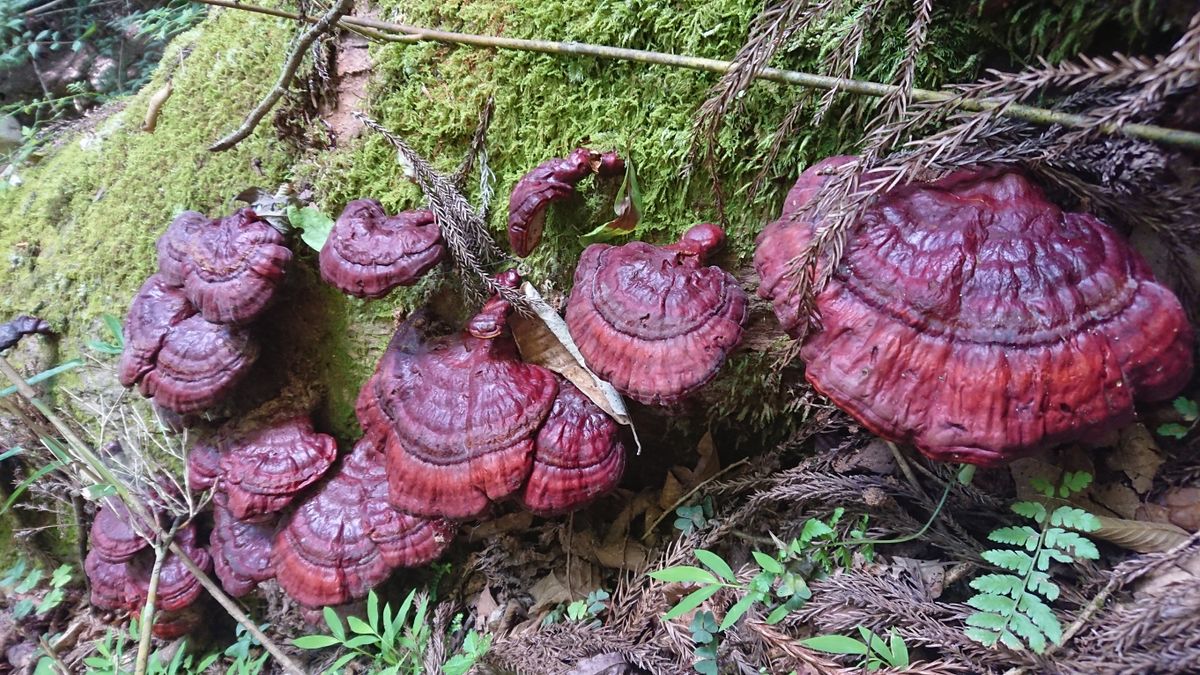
(655, 321)
(229, 268)
(156, 309)
(111, 586)
(241, 549)
(551, 181)
(579, 455)
(459, 414)
(974, 319)
(368, 252)
(264, 470)
(343, 539)
(113, 536)
(198, 365)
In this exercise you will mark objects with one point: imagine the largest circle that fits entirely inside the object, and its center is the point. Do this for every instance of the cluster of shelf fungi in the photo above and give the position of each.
(969, 317)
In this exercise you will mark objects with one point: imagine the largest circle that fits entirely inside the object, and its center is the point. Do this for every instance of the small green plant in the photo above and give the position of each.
(1189, 410)
(113, 652)
(704, 634)
(21, 580)
(115, 344)
(1013, 608)
(691, 518)
(246, 662)
(589, 610)
(876, 653)
(392, 643)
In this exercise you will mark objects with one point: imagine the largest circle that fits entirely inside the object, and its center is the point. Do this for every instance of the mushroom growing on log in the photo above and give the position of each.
(241, 549)
(343, 539)
(229, 268)
(368, 252)
(551, 181)
(579, 455)
(458, 414)
(204, 464)
(655, 321)
(198, 364)
(265, 469)
(976, 320)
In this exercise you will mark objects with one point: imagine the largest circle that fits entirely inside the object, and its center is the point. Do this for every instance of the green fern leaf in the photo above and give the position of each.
(1074, 543)
(1075, 519)
(1073, 482)
(985, 637)
(1034, 510)
(1042, 616)
(988, 620)
(999, 584)
(990, 602)
(1048, 555)
(1022, 535)
(1011, 641)
(1025, 628)
(1040, 583)
(1017, 561)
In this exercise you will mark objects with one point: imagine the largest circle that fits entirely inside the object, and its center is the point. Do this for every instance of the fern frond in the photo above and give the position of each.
(1034, 510)
(1073, 543)
(1019, 535)
(1075, 519)
(1017, 561)
(1000, 584)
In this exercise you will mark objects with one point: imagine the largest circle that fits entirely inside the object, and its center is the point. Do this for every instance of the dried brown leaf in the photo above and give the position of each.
(1138, 456)
(1139, 535)
(556, 587)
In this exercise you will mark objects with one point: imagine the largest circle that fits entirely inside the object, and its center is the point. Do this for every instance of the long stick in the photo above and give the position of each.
(147, 618)
(397, 32)
(285, 77)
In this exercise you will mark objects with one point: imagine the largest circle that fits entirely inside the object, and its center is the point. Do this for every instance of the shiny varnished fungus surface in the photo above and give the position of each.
(976, 320)
(458, 415)
(551, 181)
(113, 536)
(241, 549)
(368, 252)
(343, 538)
(579, 455)
(156, 309)
(198, 364)
(264, 469)
(655, 321)
(229, 268)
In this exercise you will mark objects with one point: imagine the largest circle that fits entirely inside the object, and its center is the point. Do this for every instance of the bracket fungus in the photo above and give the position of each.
(368, 252)
(229, 268)
(655, 321)
(458, 415)
(579, 455)
(156, 309)
(113, 537)
(240, 549)
(203, 464)
(551, 181)
(265, 469)
(198, 364)
(976, 320)
(343, 539)
(178, 588)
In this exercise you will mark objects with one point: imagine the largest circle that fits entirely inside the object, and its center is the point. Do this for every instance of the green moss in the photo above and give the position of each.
(79, 232)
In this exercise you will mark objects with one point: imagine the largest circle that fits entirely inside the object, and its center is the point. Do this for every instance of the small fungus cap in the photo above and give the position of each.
(265, 469)
(113, 536)
(199, 364)
(229, 268)
(368, 253)
(177, 587)
(241, 549)
(976, 320)
(204, 464)
(579, 455)
(458, 415)
(156, 309)
(654, 320)
(343, 539)
(551, 181)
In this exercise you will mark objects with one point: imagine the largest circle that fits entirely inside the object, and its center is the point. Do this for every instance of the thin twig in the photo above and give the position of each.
(319, 27)
(407, 33)
(147, 618)
(53, 654)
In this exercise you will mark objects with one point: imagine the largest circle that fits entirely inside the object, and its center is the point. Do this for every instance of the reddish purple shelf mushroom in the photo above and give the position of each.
(113, 536)
(655, 321)
(241, 549)
(551, 181)
(156, 309)
(198, 364)
(264, 470)
(343, 539)
(458, 415)
(977, 321)
(368, 253)
(579, 455)
(229, 268)
(204, 464)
